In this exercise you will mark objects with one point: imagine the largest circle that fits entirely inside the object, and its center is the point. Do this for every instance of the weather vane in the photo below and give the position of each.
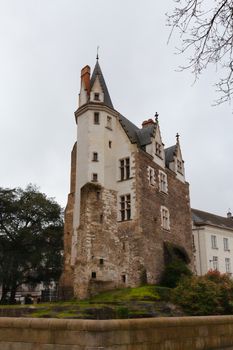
(97, 55)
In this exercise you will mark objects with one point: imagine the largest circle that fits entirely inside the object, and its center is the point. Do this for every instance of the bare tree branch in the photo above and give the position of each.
(208, 32)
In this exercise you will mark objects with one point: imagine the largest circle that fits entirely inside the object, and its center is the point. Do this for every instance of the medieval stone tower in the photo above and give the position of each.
(128, 206)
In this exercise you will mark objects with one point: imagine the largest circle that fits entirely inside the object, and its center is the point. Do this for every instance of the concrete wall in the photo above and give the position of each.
(187, 333)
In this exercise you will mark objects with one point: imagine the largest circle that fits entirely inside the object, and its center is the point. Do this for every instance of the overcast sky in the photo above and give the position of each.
(45, 43)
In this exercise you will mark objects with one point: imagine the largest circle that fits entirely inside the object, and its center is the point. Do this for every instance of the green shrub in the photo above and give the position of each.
(211, 294)
(122, 312)
(173, 272)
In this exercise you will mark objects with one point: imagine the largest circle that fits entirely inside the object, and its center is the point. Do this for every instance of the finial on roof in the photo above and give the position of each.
(97, 55)
(177, 137)
(156, 117)
(229, 215)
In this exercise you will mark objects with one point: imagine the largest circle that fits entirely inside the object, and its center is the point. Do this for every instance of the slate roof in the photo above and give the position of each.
(169, 154)
(144, 135)
(140, 136)
(97, 72)
(203, 218)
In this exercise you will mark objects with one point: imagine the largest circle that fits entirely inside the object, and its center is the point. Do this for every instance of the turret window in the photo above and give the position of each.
(95, 157)
(96, 118)
(96, 96)
(124, 169)
(94, 177)
(125, 207)
(109, 122)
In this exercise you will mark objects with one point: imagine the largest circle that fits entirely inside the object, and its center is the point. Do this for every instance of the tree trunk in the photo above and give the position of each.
(12, 295)
(5, 290)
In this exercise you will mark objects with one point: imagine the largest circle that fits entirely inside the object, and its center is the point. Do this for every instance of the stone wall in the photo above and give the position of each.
(66, 285)
(150, 200)
(187, 333)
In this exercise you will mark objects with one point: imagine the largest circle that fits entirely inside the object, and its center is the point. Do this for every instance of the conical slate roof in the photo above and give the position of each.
(97, 72)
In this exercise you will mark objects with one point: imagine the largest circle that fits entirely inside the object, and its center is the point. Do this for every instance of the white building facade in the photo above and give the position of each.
(213, 242)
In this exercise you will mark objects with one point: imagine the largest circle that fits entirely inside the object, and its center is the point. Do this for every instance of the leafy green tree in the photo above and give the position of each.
(31, 229)
(173, 272)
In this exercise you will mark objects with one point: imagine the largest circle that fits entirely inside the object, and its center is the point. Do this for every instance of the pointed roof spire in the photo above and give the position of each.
(97, 72)
(97, 54)
(177, 137)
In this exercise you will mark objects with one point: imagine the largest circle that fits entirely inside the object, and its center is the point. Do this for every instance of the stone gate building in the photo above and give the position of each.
(128, 205)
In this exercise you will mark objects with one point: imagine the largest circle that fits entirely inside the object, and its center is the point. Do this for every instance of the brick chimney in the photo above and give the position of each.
(147, 123)
(85, 78)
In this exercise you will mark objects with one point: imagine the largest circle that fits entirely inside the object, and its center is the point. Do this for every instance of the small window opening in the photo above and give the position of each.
(123, 245)
(96, 96)
(93, 274)
(98, 195)
(101, 261)
(110, 144)
(96, 118)
(95, 157)
(94, 177)
(123, 277)
(109, 122)
(101, 218)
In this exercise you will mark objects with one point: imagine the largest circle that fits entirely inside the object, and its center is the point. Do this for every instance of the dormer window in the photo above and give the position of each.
(179, 166)
(96, 96)
(158, 149)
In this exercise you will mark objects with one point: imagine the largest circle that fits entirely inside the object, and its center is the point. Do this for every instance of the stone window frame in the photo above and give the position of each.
(95, 157)
(228, 265)
(215, 263)
(124, 169)
(125, 207)
(226, 244)
(93, 274)
(163, 184)
(165, 218)
(214, 244)
(96, 118)
(109, 122)
(179, 166)
(94, 177)
(151, 176)
(96, 96)
(158, 150)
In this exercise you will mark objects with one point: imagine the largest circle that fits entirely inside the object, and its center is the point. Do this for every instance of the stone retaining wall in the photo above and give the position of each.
(183, 333)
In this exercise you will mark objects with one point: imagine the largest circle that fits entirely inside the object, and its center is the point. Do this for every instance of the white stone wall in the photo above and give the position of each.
(204, 251)
(95, 138)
